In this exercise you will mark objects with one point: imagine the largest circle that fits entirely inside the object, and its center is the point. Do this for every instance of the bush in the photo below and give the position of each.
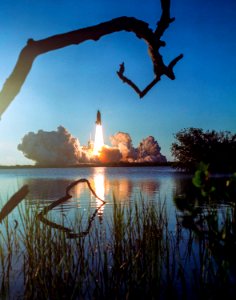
(193, 145)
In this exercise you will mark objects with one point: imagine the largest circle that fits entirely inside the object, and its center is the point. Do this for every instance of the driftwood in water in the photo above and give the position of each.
(70, 233)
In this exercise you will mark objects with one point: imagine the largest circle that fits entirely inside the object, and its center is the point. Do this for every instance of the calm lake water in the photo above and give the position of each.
(126, 185)
(159, 185)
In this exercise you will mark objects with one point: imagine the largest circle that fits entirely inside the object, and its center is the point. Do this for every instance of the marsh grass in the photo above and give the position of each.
(132, 255)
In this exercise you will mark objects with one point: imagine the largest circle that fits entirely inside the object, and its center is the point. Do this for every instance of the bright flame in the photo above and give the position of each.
(99, 142)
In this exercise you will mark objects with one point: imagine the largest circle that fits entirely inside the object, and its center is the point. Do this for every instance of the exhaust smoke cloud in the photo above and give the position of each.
(150, 151)
(61, 148)
(123, 142)
(51, 148)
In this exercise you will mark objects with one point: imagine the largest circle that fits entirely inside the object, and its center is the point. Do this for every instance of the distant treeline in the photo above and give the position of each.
(215, 149)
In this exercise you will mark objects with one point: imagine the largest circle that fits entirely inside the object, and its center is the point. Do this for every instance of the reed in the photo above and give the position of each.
(134, 254)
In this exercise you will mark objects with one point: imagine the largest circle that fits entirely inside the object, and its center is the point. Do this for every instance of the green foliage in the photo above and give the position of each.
(201, 180)
(216, 149)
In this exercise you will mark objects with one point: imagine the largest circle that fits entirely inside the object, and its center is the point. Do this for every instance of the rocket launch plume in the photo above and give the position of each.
(49, 148)
(147, 151)
(150, 151)
(61, 148)
(123, 142)
(99, 141)
(110, 155)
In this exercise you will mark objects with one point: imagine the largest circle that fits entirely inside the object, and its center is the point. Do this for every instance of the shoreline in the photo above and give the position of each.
(90, 165)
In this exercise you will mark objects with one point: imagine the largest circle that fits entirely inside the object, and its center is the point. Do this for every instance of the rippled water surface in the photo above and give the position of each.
(123, 184)
(191, 238)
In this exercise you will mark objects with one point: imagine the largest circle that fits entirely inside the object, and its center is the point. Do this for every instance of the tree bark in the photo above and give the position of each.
(141, 29)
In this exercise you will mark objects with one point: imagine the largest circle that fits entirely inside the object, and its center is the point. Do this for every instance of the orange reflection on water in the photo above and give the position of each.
(99, 187)
(76, 193)
(121, 189)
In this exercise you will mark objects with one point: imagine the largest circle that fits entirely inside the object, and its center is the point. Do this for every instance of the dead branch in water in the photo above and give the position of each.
(70, 233)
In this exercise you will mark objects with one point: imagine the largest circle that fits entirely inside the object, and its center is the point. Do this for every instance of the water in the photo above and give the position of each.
(124, 183)
(129, 186)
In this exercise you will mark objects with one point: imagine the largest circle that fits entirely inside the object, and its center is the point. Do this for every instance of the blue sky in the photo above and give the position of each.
(67, 86)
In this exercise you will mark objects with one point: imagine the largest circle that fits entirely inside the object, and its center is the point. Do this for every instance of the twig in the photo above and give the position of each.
(125, 79)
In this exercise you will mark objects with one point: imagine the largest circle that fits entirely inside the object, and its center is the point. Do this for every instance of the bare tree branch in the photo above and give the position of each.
(171, 66)
(165, 20)
(133, 85)
(141, 29)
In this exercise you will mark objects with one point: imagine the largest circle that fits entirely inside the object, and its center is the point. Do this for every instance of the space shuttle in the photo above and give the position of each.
(99, 119)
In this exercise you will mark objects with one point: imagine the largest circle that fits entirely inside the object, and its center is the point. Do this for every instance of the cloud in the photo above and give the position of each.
(61, 148)
(149, 151)
(51, 148)
(123, 142)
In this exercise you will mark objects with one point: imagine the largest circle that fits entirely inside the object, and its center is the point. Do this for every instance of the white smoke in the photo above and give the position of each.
(123, 142)
(149, 151)
(61, 148)
(51, 148)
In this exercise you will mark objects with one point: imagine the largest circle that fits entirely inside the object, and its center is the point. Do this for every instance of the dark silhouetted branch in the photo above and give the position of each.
(174, 61)
(171, 65)
(141, 29)
(70, 234)
(133, 85)
(165, 20)
(13, 202)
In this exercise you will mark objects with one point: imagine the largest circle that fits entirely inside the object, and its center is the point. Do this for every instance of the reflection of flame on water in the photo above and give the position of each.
(77, 191)
(122, 189)
(99, 187)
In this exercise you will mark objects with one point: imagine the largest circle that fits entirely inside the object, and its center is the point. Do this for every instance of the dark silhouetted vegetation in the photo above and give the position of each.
(216, 149)
(212, 222)
(135, 254)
